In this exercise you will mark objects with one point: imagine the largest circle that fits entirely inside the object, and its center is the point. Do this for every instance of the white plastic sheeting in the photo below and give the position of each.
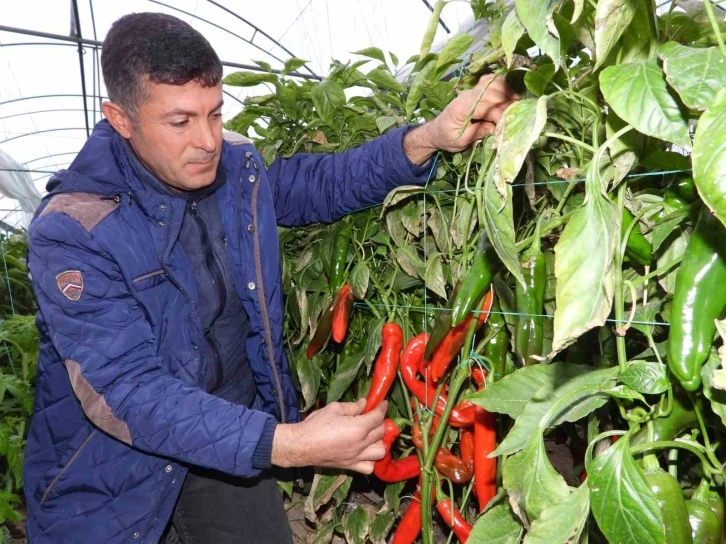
(42, 118)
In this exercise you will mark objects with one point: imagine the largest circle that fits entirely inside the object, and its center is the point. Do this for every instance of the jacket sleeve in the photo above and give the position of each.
(323, 187)
(108, 348)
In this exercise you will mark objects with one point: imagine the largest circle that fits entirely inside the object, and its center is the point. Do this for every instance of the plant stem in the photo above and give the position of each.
(570, 140)
(668, 444)
(714, 23)
(619, 299)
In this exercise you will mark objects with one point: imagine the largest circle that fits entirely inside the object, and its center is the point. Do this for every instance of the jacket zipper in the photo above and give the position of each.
(215, 271)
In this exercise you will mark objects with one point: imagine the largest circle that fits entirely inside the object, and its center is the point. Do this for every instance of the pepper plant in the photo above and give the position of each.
(555, 288)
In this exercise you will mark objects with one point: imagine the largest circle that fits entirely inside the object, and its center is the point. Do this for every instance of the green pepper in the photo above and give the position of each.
(442, 324)
(638, 248)
(498, 346)
(339, 257)
(475, 283)
(529, 300)
(699, 299)
(670, 499)
(685, 188)
(681, 418)
(716, 503)
(706, 526)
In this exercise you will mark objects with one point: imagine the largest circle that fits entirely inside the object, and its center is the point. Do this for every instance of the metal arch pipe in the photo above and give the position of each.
(52, 155)
(76, 17)
(96, 43)
(59, 110)
(72, 95)
(258, 29)
(40, 132)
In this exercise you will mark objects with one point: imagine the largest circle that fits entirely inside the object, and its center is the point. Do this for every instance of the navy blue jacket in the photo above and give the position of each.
(121, 406)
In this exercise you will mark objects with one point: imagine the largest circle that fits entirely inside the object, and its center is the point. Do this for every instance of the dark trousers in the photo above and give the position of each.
(221, 509)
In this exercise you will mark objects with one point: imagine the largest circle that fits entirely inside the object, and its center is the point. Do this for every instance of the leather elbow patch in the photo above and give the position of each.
(95, 406)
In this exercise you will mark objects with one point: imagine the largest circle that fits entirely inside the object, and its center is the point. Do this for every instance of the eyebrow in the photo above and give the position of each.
(187, 113)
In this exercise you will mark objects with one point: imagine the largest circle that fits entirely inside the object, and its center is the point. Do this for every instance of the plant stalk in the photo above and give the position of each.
(714, 23)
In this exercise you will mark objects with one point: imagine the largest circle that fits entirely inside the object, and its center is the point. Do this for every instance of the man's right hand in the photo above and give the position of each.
(336, 436)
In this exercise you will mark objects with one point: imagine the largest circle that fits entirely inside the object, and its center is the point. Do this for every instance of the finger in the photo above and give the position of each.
(350, 408)
(374, 452)
(364, 467)
(376, 434)
(375, 417)
(491, 112)
(484, 128)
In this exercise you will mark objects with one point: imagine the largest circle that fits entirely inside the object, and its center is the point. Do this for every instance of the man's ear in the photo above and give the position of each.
(119, 119)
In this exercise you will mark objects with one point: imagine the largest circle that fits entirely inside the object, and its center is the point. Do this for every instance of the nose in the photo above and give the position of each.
(204, 137)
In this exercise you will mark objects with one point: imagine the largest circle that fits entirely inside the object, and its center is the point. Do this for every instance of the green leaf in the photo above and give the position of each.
(392, 497)
(496, 526)
(309, 374)
(381, 526)
(709, 157)
(384, 80)
(434, 277)
(715, 396)
(611, 19)
(324, 534)
(584, 267)
(249, 79)
(567, 380)
(264, 65)
(344, 376)
(675, 250)
(663, 230)
(374, 341)
(409, 260)
(395, 227)
(373, 53)
(464, 222)
(562, 521)
(646, 313)
(342, 492)
(384, 122)
(285, 487)
(454, 49)
(356, 525)
(531, 481)
(511, 394)
(537, 18)
(512, 31)
(696, 74)
(623, 504)
(359, 278)
(640, 42)
(579, 5)
(520, 126)
(646, 377)
(327, 97)
(640, 96)
(499, 223)
(539, 77)
(293, 64)
(625, 392)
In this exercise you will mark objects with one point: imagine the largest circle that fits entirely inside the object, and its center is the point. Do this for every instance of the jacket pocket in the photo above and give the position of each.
(150, 279)
(66, 466)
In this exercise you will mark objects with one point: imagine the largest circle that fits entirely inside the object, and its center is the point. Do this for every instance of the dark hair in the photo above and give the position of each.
(158, 48)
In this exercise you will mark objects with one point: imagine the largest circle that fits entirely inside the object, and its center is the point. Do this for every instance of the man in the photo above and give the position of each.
(163, 393)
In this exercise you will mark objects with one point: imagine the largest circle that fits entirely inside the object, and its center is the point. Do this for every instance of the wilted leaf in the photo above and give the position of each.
(623, 504)
(640, 96)
(394, 222)
(536, 16)
(434, 277)
(356, 525)
(399, 194)
(697, 74)
(584, 266)
(611, 19)
(512, 31)
(499, 223)
(359, 278)
(409, 260)
(517, 130)
(675, 250)
(321, 491)
(381, 526)
(309, 374)
(623, 151)
(709, 157)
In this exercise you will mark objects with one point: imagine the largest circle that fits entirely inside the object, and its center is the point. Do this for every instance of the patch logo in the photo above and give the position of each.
(70, 284)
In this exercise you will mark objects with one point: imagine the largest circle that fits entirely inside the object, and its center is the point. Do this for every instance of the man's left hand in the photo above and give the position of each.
(488, 100)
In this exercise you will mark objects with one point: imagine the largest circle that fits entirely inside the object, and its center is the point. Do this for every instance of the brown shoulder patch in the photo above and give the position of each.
(234, 138)
(87, 208)
(70, 284)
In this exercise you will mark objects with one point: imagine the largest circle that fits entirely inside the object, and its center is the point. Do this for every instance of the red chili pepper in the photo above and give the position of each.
(410, 526)
(384, 372)
(454, 340)
(457, 469)
(485, 442)
(395, 470)
(411, 362)
(454, 519)
(341, 313)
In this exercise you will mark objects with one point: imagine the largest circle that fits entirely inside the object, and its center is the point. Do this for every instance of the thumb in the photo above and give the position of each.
(351, 408)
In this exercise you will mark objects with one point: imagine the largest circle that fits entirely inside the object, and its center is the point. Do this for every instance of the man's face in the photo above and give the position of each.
(178, 133)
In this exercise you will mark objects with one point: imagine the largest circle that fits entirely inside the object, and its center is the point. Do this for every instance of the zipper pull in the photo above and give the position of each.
(224, 241)
(248, 155)
(194, 209)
